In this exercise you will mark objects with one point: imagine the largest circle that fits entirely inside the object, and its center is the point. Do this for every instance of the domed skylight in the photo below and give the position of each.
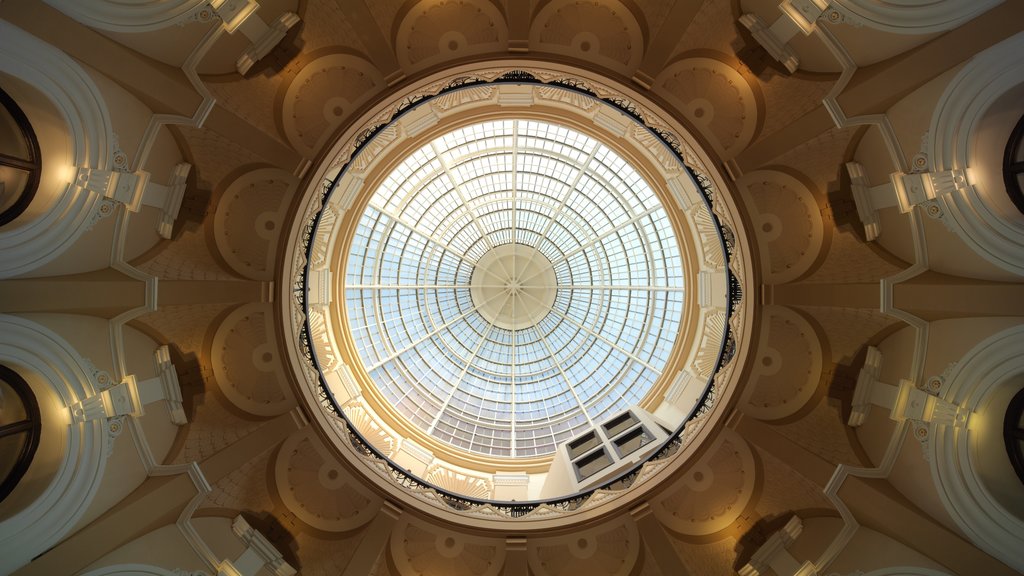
(512, 283)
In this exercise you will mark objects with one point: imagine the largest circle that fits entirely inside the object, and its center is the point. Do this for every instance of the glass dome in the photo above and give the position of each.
(512, 283)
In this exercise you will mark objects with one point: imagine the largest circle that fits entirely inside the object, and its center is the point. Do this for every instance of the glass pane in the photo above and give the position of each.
(12, 409)
(10, 450)
(12, 184)
(1020, 180)
(512, 282)
(12, 141)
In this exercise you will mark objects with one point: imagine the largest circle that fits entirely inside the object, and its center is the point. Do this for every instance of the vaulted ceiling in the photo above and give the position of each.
(848, 285)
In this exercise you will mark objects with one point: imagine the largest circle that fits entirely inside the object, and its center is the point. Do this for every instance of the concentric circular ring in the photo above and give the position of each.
(513, 286)
(512, 283)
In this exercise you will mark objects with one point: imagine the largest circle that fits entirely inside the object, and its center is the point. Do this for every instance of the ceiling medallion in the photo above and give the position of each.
(466, 272)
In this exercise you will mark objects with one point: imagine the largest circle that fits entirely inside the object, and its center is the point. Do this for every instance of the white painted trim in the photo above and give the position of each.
(908, 17)
(198, 117)
(43, 523)
(129, 17)
(985, 521)
(906, 571)
(831, 102)
(133, 570)
(951, 135)
(79, 101)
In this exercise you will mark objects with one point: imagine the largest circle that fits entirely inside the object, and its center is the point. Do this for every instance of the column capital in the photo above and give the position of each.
(917, 188)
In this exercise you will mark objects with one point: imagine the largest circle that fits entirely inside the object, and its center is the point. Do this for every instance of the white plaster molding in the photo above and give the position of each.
(320, 293)
(684, 191)
(918, 188)
(921, 335)
(163, 386)
(986, 522)
(137, 570)
(850, 524)
(118, 262)
(419, 453)
(515, 95)
(683, 385)
(712, 288)
(908, 16)
(93, 179)
(905, 401)
(196, 120)
(82, 107)
(122, 187)
(884, 468)
(951, 136)
(135, 190)
(510, 479)
(51, 516)
(234, 13)
(804, 13)
(913, 403)
(903, 191)
(831, 102)
(129, 17)
(259, 552)
(904, 571)
(921, 327)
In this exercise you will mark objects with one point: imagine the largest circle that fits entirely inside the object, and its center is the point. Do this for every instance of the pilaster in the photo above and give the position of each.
(517, 563)
(259, 553)
(374, 541)
(774, 557)
(798, 16)
(657, 542)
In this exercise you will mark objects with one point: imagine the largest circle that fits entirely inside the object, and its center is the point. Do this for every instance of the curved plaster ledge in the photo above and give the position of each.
(911, 16)
(39, 351)
(129, 17)
(971, 505)
(951, 136)
(84, 110)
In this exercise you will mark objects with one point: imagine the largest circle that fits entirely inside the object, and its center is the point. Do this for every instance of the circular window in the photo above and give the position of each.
(511, 291)
(19, 160)
(19, 429)
(512, 283)
(1013, 165)
(1013, 433)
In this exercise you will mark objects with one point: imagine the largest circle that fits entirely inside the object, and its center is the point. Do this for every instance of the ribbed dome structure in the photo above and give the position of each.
(511, 283)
